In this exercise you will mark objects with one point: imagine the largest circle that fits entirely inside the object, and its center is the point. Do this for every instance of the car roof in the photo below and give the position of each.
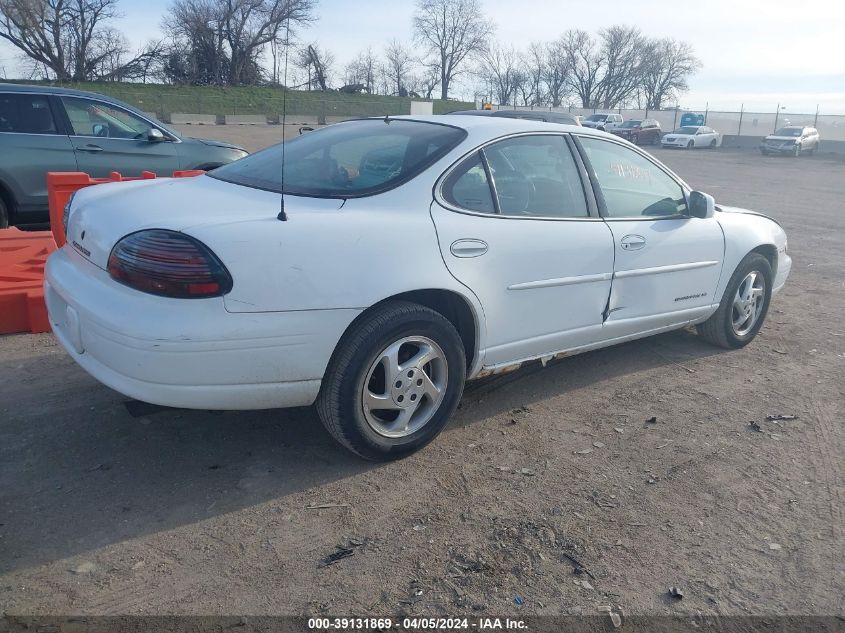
(497, 126)
(68, 92)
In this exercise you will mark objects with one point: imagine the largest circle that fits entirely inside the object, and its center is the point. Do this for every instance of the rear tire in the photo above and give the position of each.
(361, 373)
(713, 144)
(745, 296)
(655, 140)
(4, 215)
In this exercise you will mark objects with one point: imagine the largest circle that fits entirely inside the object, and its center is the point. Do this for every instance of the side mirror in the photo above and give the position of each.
(100, 129)
(154, 135)
(701, 205)
(306, 128)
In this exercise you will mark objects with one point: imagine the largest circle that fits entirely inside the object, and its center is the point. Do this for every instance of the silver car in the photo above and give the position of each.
(791, 139)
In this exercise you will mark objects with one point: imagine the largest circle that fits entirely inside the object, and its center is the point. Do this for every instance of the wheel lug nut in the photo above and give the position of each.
(400, 398)
(411, 374)
(413, 397)
(419, 382)
(398, 384)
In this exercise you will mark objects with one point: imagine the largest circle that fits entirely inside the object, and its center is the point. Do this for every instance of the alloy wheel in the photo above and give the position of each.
(404, 386)
(748, 303)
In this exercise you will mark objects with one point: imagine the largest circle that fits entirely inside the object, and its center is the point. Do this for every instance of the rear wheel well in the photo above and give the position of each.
(770, 253)
(453, 307)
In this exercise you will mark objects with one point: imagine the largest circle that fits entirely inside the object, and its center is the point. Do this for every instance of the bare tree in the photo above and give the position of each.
(398, 65)
(532, 70)
(584, 65)
(452, 30)
(499, 68)
(225, 38)
(69, 39)
(363, 70)
(666, 65)
(317, 64)
(620, 64)
(557, 72)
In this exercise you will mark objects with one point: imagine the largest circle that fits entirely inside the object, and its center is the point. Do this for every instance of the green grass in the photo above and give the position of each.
(165, 99)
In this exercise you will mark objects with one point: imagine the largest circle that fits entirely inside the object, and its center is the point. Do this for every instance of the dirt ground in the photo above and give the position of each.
(192, 512)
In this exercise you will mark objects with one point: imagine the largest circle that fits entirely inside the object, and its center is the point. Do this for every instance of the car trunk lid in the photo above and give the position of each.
(104, 214)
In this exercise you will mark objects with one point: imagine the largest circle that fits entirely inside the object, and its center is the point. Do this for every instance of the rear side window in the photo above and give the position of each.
(533, 176)
(467, 186)
(352, 159)
(26, 114)
(95, 118)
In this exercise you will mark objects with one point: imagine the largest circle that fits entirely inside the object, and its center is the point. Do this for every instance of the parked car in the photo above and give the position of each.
(604, 121)
(793, 140)
(691, 136)
(640, 131)
(45, 128)
(563, 118)
(391, 259)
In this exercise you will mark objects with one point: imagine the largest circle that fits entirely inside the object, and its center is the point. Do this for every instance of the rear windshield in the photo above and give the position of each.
(597, 117)
(789, 131)
(346, 160)
(686, 130)
(630, 123)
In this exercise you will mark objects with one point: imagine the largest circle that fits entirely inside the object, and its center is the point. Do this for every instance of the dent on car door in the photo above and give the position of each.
(30, 146)
(107, 138)
(515, 227)
(667, 263)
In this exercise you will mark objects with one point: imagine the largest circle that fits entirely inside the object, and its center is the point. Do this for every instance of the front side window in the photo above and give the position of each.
(632, 186)
(536, 176)
(350, 159)
(26, 114)
(94, 118)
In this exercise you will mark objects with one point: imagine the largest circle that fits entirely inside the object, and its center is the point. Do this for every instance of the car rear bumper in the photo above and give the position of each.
(187, 353)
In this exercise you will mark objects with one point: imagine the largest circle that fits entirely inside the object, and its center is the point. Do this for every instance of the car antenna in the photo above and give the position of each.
(282, 215)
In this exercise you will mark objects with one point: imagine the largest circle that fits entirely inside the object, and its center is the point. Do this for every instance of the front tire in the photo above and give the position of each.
(393, 382)
(690, 144)
(744, 305)
(796, 151)
(713, 144)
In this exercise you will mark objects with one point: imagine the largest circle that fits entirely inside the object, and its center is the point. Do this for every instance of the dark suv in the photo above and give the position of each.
(57, 129)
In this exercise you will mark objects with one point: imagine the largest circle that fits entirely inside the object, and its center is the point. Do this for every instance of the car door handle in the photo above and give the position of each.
(632, 242)
(90, 148)
(468, 248)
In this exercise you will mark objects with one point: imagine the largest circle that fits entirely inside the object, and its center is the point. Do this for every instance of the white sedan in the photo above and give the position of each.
(691, 136)
(406, 256)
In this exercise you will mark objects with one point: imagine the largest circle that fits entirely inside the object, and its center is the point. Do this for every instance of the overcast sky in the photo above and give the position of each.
(756, 52)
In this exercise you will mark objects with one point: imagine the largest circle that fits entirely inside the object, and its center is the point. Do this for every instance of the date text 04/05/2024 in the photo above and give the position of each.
(414, 624)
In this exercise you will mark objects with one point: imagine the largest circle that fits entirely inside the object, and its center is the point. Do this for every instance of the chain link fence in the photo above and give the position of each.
(741, 124)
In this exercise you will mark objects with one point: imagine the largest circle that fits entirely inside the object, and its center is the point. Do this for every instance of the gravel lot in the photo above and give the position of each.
(231, 513)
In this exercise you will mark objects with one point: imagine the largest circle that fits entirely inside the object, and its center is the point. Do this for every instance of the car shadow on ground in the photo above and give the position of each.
(79, 472)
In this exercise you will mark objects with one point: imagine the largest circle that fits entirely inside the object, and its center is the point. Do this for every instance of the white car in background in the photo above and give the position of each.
(406, 255)
(691, 136)
(604, 121)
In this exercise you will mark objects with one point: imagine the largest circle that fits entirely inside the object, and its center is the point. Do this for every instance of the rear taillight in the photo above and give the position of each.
(169, 264)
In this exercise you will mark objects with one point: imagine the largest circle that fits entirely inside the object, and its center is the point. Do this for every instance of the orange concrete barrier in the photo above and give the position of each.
(22, 258)
(23, 254)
